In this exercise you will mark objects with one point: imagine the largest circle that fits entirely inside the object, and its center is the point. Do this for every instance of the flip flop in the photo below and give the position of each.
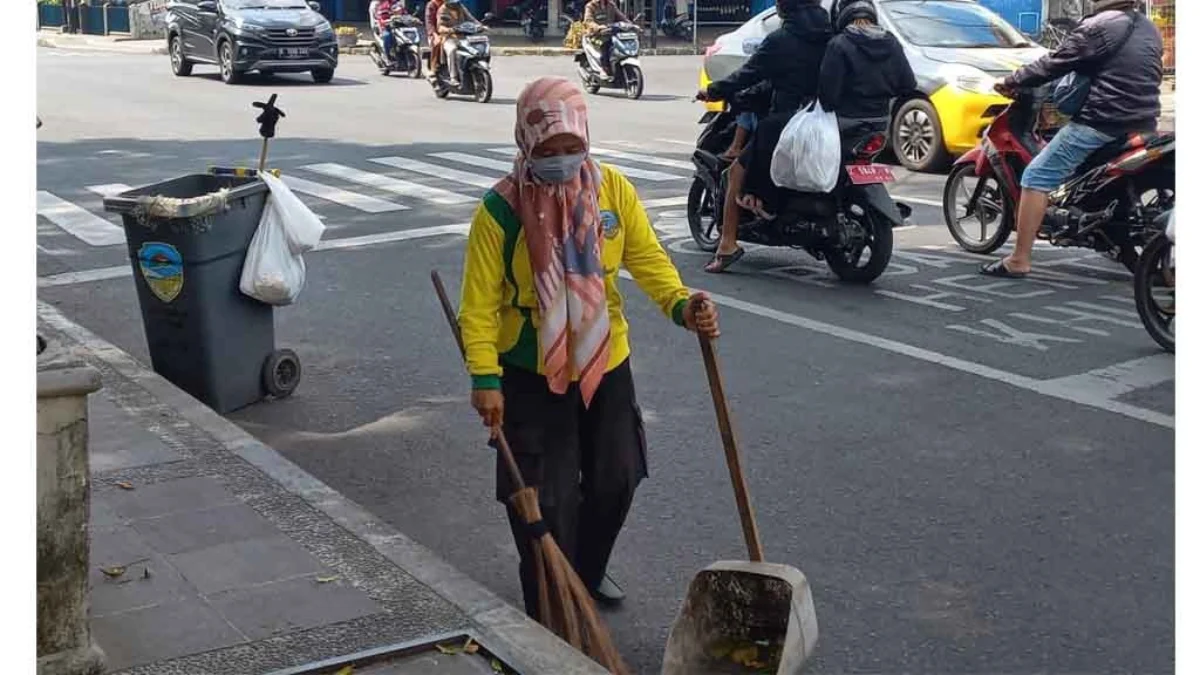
(722, 261)
(996, 268)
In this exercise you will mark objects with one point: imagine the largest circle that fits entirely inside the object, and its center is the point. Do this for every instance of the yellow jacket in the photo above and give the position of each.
(499, 308)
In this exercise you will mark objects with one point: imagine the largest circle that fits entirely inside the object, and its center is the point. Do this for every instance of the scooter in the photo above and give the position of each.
(406, 46)
(675, 24)
(626, 68)
(533, 21)
(474, 60)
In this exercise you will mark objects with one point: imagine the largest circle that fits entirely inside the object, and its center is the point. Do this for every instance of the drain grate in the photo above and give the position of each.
(441, 655)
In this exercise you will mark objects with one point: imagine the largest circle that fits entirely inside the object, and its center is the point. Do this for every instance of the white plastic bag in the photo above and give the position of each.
(302, 227)
(272, 273)
(808, 157)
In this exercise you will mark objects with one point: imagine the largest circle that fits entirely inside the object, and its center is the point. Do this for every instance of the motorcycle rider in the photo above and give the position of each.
(450, 16)
(789, 59)
(431, 34)
(1123, 100)
(864, 70)
(597, 15)
(381, 14)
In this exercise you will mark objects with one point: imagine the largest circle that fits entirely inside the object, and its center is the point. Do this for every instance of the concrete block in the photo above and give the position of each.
(162, 632)
(245, 563)
(115, 444)
(191, 530)
(175, 496)
(295, 604)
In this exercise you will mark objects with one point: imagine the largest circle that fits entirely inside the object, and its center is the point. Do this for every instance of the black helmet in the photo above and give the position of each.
(787, 8)
(855, 9)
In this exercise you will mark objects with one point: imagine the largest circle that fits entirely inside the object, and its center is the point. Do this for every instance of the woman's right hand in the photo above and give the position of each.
(489, 403)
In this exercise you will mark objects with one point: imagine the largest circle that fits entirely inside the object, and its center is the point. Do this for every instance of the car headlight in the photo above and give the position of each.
(968, 78)
(325, 29)
(249, 27)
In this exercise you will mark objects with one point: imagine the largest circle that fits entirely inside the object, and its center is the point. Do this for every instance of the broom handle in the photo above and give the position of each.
(501, 442)
(740, 492)
(262, 156)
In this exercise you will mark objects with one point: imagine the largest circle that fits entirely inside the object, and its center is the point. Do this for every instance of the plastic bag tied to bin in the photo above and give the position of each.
(274, 270)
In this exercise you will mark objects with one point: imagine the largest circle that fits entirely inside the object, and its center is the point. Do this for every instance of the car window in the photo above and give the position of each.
(951, 23)
(770, 23)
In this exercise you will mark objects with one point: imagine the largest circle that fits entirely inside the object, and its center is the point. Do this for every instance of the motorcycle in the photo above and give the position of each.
(406, 46)
(1154, 283)
(1108, 205)
(840, 227)
(533, 23)
(626, 68)
(474, 56)
(675, 24)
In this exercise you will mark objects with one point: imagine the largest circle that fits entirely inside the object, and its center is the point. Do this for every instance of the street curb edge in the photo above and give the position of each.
(508, 632)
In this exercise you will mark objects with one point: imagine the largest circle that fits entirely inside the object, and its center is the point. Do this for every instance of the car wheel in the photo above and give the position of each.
(228, 74)
(322, 75)
(179, 65)
(917, 137)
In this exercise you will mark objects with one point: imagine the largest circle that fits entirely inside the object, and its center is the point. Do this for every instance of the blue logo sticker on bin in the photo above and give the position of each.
(162, 268)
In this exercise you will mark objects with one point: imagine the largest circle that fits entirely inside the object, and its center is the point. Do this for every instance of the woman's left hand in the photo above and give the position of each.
(700, 316)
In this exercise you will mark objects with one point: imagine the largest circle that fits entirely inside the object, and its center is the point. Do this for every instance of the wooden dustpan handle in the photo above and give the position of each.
(501, 442)
(740, 492)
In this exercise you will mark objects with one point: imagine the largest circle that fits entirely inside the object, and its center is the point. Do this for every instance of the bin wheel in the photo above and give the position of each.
(281, 373)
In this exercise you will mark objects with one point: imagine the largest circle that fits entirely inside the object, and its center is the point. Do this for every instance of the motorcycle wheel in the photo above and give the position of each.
(482, 84)
(380, 63)
(633, 82)
(703, 217)
(416, 71)
(849, 265)
(993, 208)
(1153, 282)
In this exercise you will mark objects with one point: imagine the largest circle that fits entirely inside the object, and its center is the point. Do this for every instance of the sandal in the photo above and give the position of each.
(997, 268)
(722, 261)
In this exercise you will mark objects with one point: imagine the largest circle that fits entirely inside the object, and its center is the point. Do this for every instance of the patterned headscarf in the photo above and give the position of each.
(562, 227)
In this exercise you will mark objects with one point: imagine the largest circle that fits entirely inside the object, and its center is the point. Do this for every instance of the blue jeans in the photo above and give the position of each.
(389, 42)
(747, 121)
(1069, 148)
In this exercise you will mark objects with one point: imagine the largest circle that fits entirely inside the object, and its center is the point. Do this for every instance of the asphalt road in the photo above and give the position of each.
(976, 475)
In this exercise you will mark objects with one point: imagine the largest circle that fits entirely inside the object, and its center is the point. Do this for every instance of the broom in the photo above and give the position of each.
(564, 604)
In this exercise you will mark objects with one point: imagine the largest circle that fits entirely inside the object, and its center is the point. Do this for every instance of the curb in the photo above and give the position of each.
(508, 632)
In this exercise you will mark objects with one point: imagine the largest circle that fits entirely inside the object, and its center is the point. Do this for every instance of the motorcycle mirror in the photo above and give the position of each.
(489, 17)
(315, 6)
(207, 6)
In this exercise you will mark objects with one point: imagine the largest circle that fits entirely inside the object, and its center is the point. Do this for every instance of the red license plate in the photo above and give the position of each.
(868, 174)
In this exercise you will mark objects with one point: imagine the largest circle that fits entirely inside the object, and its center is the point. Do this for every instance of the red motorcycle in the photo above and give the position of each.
(1109, 205)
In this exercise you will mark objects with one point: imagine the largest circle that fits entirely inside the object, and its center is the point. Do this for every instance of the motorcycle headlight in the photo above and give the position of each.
(969, 79)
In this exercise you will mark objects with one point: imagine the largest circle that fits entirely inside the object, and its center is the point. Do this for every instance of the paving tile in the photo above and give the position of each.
(122, 547)
(431, 664)
(161, 632)
(103, 515)
(191, 530)
(245, 563)
(287, 606)
(117, 440)
(173, 496)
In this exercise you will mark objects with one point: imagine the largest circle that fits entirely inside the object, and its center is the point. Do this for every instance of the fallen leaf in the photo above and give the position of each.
(347, 670)
(114, 571)
(326, 580)
(497, 666)
(471, 647)
(448, 650)
(125, 485)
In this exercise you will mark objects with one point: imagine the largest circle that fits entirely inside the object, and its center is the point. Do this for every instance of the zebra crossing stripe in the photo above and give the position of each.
(81, 223)
(353, 200)
(629, 171)
(388, 184)
(417, 166)
(643, 159)
(109, 189)
(475, 160)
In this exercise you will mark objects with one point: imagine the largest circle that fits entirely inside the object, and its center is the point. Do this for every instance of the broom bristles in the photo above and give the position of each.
(571, 615)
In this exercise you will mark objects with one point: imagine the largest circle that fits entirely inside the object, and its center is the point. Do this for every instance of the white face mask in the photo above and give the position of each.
(557, 169)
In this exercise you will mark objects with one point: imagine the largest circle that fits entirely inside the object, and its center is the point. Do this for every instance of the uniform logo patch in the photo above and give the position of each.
(162, 268)
(611, 224)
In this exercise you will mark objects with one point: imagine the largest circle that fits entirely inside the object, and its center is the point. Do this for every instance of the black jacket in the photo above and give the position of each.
(864, 69)
(789, 59)
(1125, 86)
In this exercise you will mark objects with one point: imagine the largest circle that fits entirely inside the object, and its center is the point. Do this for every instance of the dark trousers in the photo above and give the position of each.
(756, 159)
(585, 463)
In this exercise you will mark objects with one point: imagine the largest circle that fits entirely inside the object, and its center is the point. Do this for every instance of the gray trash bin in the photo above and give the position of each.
(187, 240)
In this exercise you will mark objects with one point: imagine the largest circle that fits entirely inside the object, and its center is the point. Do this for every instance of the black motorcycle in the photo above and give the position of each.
(405, 56)
(675, 24)
(850, 228)
(1154, 283)
(474, 56)
(533, 19)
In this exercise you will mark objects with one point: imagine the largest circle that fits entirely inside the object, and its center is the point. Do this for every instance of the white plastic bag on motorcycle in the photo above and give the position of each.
(274, 268)
(808, 157)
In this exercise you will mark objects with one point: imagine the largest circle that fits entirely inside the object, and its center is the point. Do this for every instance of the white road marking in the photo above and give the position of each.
(1122, 378)
(643, 159)
(80, 222)
(394, 185)
(664, 203)
(672, 141)
(416, 166)
(629, 171)
(1067, 391)
(1109, 310)
(329, 193)
(475, 160)
(109, 189)
(83, 277)
(917, 200)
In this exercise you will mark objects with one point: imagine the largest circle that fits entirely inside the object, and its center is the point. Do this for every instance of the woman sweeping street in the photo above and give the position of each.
(545, 335)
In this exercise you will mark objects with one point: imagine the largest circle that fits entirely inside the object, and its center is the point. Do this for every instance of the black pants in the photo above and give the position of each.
(585, 463)
(606, 53)
(756, 159)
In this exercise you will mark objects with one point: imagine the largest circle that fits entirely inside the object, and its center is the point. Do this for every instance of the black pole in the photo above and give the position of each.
(653, 24)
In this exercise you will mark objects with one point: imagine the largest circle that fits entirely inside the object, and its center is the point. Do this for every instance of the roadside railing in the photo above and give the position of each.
(106, 19)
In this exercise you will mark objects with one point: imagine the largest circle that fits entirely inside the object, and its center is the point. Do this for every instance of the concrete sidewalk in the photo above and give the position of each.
(213, 554)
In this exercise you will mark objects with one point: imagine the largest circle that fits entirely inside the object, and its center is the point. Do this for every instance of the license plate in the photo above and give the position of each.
(475, 39)
(626, 36)
(293, 53)
(869, 174)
